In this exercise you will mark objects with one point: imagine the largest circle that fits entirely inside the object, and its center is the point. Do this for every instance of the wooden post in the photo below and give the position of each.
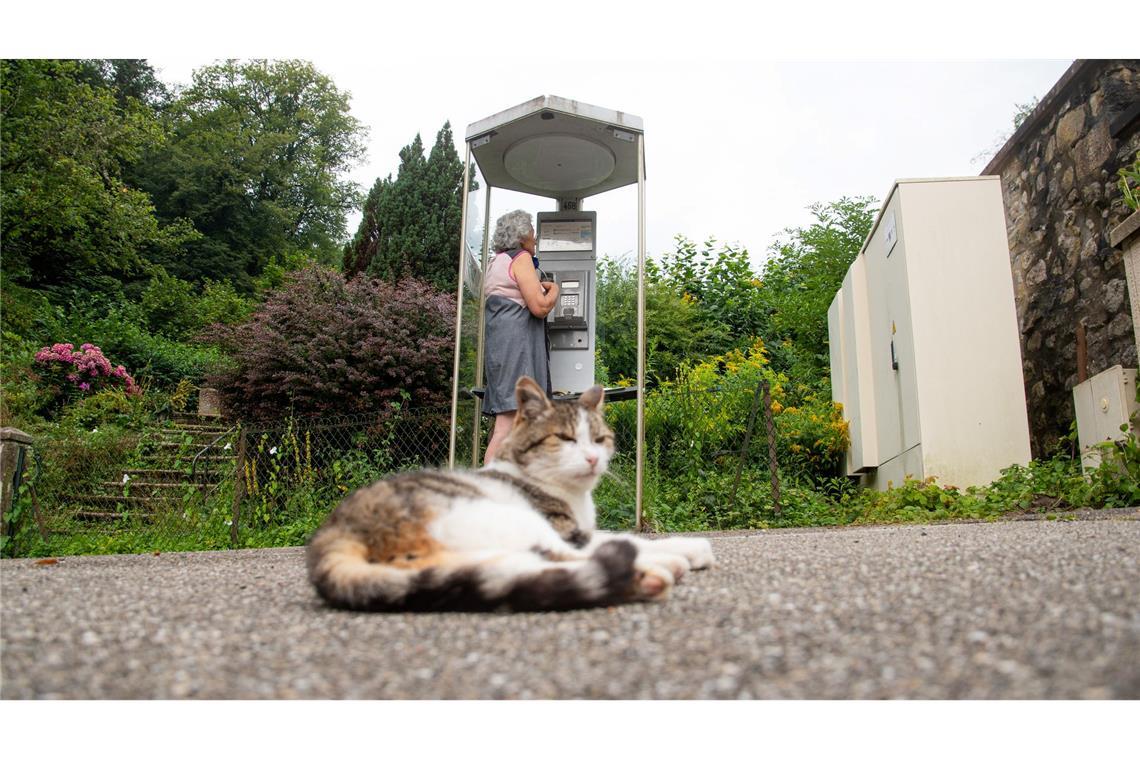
(772, 448)
(747, 439)
(1082, 354)
(239, 489)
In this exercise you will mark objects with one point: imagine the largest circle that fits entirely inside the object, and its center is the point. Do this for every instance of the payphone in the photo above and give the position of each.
(567, 254)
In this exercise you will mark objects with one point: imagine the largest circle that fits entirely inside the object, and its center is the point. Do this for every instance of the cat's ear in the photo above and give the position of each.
(531, 399)
(592, 399)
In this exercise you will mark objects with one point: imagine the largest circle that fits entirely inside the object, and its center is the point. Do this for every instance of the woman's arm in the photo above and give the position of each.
(540, 297)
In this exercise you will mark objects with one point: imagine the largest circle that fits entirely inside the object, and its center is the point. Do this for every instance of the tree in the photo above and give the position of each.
(806, 269)
(410, 224)
(255, 160)
(69, 217)
(128, 78)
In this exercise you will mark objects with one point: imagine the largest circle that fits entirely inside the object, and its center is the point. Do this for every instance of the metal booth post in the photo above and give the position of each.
(459, 308)
(640, 466)
(566, 151)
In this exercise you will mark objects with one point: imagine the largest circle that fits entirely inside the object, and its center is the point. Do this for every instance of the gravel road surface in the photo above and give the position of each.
(1027, 610)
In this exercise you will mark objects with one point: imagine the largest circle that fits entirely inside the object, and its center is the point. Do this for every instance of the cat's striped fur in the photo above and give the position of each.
(517, 534)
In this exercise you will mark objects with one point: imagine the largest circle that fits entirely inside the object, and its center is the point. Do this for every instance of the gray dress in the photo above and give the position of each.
(515, 345)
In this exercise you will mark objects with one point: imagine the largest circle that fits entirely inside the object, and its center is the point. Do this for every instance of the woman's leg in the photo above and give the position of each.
(504, 421)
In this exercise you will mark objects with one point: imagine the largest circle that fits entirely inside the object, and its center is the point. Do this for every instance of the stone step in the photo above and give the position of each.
(90, 499)
(221, 427)
(193, 418)
(193, 432)
(160, 475)
(159, 459)
(165, 443)
(102, 515)
(91, 516)
(161, 490)
(163, 452)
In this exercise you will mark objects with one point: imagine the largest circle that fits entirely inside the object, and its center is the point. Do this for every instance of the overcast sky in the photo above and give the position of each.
(734, 149)
(746, 125)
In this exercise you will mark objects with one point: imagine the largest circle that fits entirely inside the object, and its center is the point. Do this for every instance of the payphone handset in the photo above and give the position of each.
(567, 254)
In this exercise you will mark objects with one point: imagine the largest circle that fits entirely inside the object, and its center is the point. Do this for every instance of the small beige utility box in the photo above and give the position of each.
(1104, 403)
(925, 352)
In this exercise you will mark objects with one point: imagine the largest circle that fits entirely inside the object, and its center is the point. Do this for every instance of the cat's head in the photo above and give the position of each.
(562, 441)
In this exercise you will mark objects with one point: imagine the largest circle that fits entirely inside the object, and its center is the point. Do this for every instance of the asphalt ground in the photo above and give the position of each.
(1026, 610)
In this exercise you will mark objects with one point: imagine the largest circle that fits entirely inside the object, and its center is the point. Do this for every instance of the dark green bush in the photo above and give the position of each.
(322, 344)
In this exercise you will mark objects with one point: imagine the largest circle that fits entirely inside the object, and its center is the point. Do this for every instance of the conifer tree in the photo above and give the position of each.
(410, 225)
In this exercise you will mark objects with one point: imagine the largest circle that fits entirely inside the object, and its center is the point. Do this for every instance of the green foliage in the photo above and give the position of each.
(111, 406)
(1129, 184)
(811, 435)
(916, 501)
(21, 308)
(720, 280)
(675, 328)
(220, 303)
(707, 457)
(1116, 482)
(410, 225)
(277, 475)
(121, 330)
(23, 396)
(68, 213)
(253, 160)
(129, 79)
(806, 269)
(168, 306)
(1024, 110)
(171, 308)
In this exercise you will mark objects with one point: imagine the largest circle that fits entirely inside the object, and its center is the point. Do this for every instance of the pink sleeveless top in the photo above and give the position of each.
(500, 281)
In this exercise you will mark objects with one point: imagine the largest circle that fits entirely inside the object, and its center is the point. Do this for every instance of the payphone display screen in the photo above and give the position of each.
(565, 236)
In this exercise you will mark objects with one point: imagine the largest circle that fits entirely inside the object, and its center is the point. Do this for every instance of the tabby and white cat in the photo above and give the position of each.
(517, 534)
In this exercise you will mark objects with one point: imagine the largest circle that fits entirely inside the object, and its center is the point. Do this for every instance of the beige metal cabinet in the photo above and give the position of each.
(925, 352)
(1104, 404)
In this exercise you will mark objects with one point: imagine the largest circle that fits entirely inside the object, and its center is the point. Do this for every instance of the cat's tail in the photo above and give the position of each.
(344, 577)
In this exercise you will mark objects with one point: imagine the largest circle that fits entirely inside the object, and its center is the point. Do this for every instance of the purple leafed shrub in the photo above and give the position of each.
(320, 344)
(86, 369)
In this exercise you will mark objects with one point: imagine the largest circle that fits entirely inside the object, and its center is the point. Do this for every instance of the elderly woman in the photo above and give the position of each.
(517, 304)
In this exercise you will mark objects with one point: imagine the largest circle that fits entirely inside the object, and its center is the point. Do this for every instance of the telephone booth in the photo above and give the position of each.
(564, 151)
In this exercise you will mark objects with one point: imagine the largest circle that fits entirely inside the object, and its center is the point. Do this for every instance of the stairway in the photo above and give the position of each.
(190, 453)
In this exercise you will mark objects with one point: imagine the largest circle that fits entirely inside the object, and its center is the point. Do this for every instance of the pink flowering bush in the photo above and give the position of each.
(86, 370)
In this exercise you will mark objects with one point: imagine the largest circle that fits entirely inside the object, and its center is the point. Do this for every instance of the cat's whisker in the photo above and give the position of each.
(615, 478)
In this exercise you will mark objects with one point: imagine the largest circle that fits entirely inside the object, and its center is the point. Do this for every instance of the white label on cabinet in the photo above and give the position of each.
(891, 236)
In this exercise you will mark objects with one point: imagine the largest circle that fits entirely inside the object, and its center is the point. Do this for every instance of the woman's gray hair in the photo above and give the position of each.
(510, 230)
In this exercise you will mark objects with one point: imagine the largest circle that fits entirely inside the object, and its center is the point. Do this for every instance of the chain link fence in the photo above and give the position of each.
(202, 483)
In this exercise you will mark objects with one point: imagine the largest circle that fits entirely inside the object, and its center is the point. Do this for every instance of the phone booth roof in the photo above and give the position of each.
(557, 148)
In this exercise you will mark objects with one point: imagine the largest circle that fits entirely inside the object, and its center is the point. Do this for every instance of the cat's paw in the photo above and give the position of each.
(698, 551)
(651, 581)
(675, 563)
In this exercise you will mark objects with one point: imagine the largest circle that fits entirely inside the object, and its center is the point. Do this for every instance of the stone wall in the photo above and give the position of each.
(1059, 183)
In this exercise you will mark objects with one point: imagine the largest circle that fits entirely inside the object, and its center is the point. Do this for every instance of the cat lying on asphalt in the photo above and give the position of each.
(517, 534)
